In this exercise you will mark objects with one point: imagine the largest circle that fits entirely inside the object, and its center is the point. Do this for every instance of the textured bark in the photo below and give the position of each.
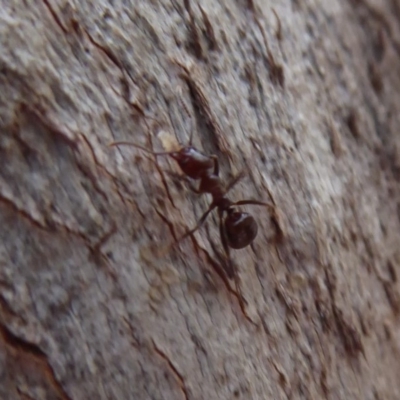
(303, 96)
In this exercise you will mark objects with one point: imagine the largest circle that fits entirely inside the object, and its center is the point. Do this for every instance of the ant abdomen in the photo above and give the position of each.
(240, 229)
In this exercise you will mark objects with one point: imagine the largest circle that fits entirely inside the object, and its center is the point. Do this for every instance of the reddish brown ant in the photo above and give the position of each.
(237, 229)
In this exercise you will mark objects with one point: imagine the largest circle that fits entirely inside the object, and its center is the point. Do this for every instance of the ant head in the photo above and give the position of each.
(192, 162)
(240, 229)
(183, 155)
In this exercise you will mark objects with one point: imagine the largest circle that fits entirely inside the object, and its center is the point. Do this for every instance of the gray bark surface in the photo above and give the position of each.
(95, 303)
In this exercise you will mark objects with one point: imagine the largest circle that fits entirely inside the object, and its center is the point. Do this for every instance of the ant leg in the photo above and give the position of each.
(190, 182)
(199, 223)
(274, 216)
(234, 181)
(192, 187)
(216, 164)
(231, 272)
(254, 202)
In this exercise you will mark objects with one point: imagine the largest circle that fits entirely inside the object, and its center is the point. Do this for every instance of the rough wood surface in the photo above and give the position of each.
(303, 96)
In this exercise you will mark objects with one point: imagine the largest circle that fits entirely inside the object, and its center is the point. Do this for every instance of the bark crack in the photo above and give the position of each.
(31, 349)
(222, 274)
(55, 16)
(173, 368)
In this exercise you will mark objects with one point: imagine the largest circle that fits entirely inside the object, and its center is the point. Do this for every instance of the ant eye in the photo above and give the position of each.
(241, 229)
(184, 156)
(187, 151)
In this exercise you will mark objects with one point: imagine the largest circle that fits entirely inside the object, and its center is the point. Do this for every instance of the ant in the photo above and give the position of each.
(238, 229)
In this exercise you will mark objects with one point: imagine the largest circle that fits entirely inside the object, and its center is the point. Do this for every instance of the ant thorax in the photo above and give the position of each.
(211, 183)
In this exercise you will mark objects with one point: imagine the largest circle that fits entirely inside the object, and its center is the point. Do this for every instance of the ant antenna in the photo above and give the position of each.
(184, 106)
(124, 143)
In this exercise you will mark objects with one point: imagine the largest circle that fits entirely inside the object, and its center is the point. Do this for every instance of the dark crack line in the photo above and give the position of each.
(222, 274)
(51, 227)
(175, 371)
(40, 113)
(105, 51)
(102, 168)
(32, 349)
(55, 16)
(25, 214)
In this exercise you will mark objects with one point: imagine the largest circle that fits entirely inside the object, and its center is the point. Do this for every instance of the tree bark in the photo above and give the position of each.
(96, 299)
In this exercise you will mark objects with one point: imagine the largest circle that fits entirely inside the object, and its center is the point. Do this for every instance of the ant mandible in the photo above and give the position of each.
(238, 229)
